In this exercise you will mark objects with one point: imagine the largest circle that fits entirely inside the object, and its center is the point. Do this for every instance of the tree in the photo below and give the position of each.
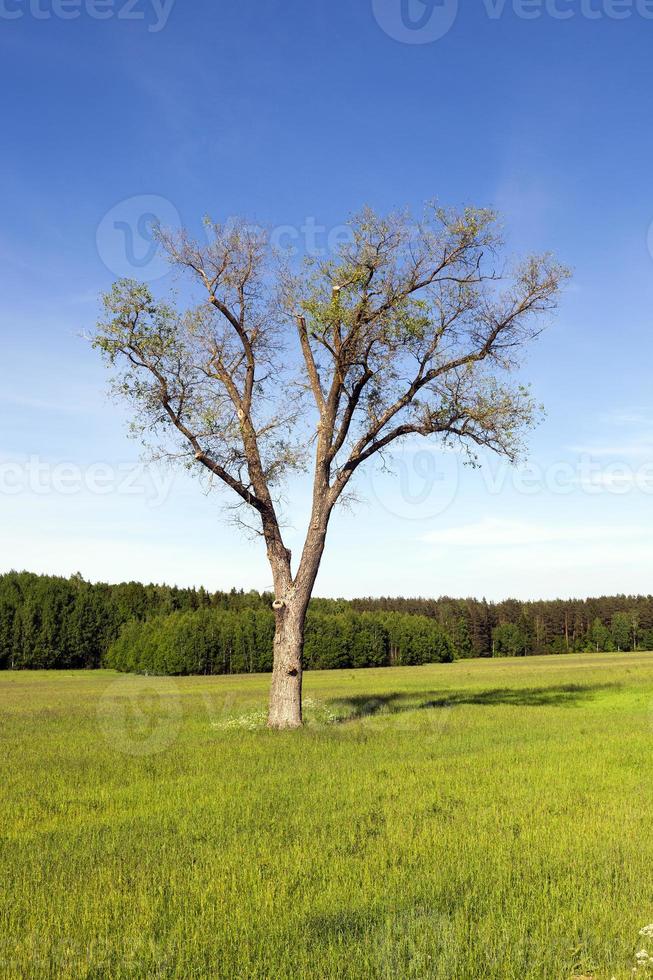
(600, 637)
(410, 331)
(622, 630)
(634, 625)
(510, 640)
(462, 637)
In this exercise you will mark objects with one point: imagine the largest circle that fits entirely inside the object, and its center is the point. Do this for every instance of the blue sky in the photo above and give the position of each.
(296, 114)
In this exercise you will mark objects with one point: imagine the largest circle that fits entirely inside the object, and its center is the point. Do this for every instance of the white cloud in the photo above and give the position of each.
(534, 560)
(499, 533)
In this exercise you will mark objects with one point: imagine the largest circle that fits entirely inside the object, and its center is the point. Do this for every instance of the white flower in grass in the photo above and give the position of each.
(642, 956)
(251, 721)
(647, 931)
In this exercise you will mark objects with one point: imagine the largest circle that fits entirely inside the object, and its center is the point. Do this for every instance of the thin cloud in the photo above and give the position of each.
(41, 404)
(639, 447)
(636, 415)
(638, 443)
(497, 533)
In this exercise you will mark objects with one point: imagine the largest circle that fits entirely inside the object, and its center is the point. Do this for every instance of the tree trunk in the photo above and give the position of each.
(290, 607)
(286, 690)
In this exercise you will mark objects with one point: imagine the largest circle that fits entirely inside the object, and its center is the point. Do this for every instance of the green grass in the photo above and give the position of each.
(474, 820)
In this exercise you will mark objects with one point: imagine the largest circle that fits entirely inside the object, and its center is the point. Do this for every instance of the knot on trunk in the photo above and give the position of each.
(278, 604)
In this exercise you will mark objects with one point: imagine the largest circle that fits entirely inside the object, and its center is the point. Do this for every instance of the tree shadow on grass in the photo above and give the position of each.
(365, 706)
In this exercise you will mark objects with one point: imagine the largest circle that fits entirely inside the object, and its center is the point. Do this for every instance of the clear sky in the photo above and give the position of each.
(296, 114)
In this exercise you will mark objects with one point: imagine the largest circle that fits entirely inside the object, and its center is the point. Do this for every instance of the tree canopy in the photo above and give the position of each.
(412, 330)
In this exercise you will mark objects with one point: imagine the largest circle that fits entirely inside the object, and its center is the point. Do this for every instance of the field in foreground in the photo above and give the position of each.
(485, 819)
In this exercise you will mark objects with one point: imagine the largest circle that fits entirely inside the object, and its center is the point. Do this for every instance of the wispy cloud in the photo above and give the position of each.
(639, 447)
(499, 533)
(638, 415)
(532, 560)
(40, 404)
(631, 435)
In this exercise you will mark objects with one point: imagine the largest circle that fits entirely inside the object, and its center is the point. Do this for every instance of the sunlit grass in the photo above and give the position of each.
(480, 819)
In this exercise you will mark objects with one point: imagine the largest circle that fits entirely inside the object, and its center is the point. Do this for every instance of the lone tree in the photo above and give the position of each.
(412, 329)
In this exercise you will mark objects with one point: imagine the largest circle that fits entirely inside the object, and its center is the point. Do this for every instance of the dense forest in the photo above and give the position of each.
(213, 641)
(51, 622)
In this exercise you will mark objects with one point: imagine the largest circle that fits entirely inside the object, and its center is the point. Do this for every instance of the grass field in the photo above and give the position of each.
(481, 819)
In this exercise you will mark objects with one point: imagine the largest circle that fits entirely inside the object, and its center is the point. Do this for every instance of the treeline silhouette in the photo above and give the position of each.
(53, 622)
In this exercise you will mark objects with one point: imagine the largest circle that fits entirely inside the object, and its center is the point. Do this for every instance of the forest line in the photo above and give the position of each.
(50, 622)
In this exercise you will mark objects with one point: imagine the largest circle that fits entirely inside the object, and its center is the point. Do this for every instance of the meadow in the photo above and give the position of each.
(482, 819)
